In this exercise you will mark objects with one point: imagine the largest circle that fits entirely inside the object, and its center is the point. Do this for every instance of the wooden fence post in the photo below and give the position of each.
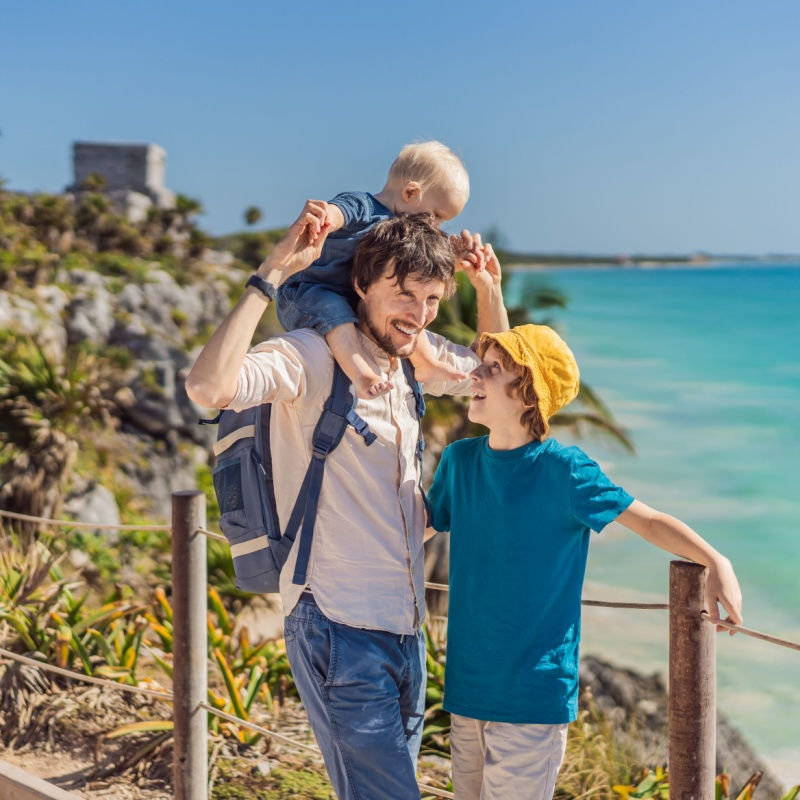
(190, 646)
(692, 686)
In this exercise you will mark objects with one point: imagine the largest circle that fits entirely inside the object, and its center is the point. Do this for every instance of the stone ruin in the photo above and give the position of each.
(133, 175)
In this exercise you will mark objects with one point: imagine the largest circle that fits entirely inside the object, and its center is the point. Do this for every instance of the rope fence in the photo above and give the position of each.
(68, 523)
(77, 676)
(188, 519)
(443, 587)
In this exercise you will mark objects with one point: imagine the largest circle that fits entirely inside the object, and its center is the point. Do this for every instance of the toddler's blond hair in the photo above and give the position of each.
(430, 164)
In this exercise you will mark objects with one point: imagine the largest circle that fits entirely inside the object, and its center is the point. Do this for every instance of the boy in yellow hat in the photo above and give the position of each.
(520, 507)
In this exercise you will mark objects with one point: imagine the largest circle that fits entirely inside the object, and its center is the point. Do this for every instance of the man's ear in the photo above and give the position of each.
(412, 191)
(358, 290)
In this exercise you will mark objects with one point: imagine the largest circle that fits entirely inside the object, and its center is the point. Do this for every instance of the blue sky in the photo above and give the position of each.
(596, 126)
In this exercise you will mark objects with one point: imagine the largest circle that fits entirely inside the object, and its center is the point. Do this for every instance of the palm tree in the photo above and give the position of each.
(252, 214)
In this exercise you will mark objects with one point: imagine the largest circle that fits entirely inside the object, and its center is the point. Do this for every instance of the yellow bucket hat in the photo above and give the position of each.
(540, 349)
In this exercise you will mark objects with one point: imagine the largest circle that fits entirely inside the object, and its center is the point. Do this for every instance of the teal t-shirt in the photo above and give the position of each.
(519, 523)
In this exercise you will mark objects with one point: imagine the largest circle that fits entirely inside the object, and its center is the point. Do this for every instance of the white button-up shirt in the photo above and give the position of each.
(366, 564)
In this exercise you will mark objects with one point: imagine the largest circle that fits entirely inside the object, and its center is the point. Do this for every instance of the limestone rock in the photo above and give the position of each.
(90, 317)
(95, 504)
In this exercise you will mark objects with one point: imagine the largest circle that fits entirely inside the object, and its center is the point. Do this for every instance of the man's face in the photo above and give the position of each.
(394, 315)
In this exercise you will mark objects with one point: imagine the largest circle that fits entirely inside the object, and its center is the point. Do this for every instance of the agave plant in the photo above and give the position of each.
(46, 409)
(248, 672)
(31, 590)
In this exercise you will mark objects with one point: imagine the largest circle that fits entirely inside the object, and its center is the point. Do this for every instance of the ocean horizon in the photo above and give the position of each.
(700, 364)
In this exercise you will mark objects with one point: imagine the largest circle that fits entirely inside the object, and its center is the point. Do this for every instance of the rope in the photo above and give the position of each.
(73, 524)
(434, 791)
(77, 676)
(750, 632)
(211, 534)
(259, 729)
(664, 607)
(609, 604)
(443, 587)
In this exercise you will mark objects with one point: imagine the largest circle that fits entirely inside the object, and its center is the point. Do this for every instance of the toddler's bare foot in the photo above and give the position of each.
(370, 384)
(346, 348)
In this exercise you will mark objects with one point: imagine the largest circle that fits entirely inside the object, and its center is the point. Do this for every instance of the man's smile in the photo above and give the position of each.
(405, 328)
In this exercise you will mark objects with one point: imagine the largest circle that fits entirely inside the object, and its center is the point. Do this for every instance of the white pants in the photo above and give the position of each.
(504, 760)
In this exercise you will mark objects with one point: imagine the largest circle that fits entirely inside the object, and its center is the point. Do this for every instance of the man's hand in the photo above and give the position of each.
(476, 259)
(301, 244)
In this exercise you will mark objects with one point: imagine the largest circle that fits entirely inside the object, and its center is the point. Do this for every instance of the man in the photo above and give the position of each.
(353, 630)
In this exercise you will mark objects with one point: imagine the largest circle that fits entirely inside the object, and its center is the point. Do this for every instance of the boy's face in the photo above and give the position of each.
(394, 315)
(440, 200)
(490, 404)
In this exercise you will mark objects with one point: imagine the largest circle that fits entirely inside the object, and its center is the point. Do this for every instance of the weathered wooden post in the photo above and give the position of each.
(692, 686)
(189, 647)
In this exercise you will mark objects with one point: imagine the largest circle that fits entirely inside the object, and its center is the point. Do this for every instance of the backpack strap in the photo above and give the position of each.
(416, 388)
(336, 416)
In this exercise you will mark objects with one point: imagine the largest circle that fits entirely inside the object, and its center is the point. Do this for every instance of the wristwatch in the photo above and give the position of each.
(265, 287)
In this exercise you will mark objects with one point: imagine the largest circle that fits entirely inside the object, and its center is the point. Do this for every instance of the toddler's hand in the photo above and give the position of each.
(469, 251)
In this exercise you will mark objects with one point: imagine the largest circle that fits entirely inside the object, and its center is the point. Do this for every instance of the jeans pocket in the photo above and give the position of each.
(290, 626)
(323, 647)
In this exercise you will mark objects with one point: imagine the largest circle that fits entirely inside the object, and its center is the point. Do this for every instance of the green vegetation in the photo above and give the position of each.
(300, 782)
(656, 785)
(40, 233)
(250, 248)
(47, 409)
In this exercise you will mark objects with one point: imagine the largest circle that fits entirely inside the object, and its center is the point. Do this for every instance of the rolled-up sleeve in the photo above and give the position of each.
(278, 370)
(456, 355)
(355, 209)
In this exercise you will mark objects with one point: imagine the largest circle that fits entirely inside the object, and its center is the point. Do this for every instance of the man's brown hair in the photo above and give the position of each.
(521, 387)
(411, 246)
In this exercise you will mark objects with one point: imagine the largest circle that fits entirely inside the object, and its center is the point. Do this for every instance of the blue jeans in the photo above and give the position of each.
(364, 692)
(305, 304)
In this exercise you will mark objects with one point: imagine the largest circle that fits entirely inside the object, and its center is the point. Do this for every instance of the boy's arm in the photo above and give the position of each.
(212, 381)
(481, 266)
(676, 537)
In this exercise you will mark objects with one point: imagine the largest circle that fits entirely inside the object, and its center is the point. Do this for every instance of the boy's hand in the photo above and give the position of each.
(301, 245)
(722, 587)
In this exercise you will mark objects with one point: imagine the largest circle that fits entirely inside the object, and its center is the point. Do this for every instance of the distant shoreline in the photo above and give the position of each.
(512, 263)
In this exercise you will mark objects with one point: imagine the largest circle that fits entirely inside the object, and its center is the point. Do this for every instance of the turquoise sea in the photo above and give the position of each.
(702, 367)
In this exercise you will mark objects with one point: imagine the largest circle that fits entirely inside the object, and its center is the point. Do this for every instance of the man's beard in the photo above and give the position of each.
(384, 340)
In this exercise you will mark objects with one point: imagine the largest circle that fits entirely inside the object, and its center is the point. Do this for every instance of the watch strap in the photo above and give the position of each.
(265, 287)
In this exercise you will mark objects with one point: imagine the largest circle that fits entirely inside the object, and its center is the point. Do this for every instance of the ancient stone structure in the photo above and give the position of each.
(133, 174)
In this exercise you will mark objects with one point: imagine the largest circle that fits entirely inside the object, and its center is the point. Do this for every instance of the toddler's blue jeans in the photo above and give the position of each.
(364, 692)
